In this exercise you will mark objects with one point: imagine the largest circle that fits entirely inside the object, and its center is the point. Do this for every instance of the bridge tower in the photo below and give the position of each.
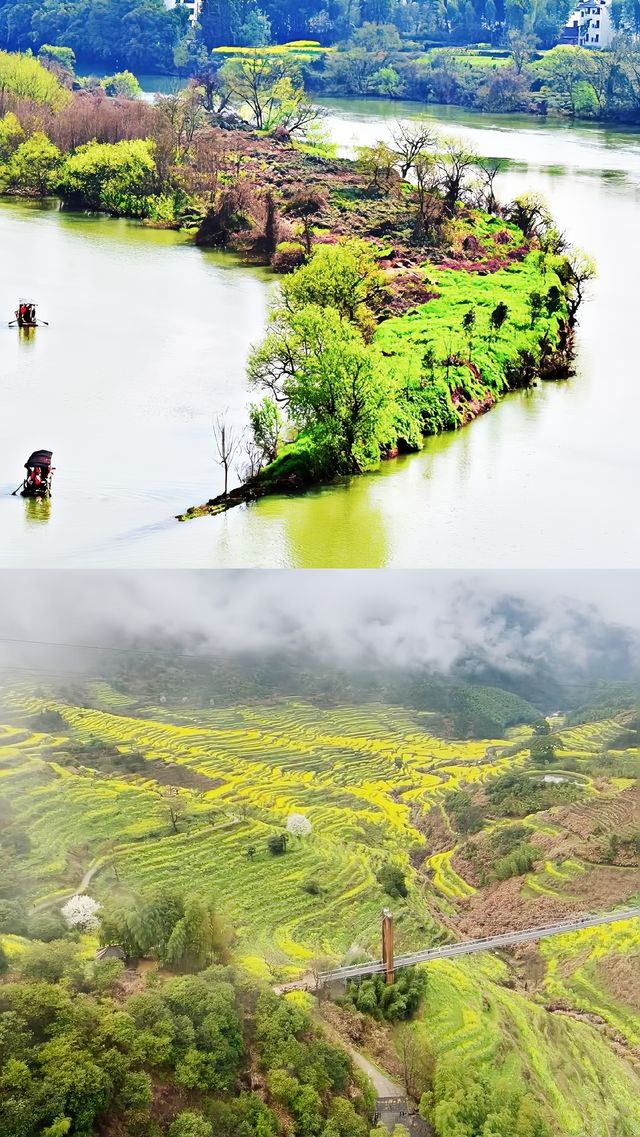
(387, 945)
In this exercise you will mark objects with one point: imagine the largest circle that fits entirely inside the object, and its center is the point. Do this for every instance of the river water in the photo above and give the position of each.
(148, 341)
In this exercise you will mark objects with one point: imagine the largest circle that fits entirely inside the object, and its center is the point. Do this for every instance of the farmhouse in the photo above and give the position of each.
(590, 25)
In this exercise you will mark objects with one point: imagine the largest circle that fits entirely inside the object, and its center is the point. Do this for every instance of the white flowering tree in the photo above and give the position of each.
(298, 825)
(81, 912)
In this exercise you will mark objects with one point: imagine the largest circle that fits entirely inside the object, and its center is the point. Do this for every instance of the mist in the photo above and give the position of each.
(473, 624)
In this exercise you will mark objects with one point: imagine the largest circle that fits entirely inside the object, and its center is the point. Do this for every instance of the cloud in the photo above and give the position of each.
(509, 621)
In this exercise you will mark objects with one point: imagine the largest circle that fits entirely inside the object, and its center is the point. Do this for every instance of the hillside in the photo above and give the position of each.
(486, 833)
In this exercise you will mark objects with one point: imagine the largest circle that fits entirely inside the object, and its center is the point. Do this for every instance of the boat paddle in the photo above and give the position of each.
(45, 322)
(17, 488)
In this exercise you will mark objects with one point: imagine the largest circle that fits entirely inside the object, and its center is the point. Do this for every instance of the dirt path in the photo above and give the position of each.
(58, 901)
(382, 1084)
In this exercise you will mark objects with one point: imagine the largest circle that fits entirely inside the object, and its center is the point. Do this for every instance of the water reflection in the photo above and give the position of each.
(37, 509)
(27, 336)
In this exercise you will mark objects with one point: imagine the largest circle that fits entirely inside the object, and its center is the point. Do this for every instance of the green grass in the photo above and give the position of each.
(437, 325)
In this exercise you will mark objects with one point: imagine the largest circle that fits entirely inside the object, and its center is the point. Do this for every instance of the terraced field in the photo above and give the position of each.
(471, 1016)
(357, 773)
(563, 1018)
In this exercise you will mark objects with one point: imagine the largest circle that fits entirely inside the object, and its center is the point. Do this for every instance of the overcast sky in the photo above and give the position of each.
(426, 617)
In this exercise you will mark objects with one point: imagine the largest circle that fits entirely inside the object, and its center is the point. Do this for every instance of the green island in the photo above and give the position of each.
(168, 867)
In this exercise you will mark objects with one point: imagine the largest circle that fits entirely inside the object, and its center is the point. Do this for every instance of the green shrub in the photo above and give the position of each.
(391, 1001)
(392, 879)
(115, 177)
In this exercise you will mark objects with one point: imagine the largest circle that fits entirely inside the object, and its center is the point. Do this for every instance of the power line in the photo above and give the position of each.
(93, 647)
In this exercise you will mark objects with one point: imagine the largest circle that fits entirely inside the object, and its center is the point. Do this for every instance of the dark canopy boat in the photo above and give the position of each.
(26, 314)
(39, 475)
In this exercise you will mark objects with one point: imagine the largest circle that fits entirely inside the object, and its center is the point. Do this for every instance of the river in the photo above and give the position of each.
(148, 340)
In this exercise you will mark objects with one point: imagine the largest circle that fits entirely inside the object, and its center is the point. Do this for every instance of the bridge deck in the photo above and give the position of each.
(467, 947)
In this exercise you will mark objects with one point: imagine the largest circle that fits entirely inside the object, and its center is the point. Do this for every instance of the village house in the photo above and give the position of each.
(590, 25)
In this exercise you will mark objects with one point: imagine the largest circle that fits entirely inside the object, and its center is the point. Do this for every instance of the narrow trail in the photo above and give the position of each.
(382, 1084)
(61, 899)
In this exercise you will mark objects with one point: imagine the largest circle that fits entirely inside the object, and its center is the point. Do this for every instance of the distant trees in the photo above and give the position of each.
(542, 750)
(123, 84)
(175, 804)
(60, 60)
(522, 47)
(139, 34)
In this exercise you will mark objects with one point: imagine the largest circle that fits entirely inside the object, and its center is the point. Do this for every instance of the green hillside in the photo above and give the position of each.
(486, 833)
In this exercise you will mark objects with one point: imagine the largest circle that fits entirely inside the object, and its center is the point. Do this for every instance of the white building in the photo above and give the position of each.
(590, 25)
(194, 7)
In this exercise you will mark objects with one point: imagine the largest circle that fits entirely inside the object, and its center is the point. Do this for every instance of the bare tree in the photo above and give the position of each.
(377, 163)
(409, 141)
(454, 162)
(185, 115)
(213, 92)
(254, 80)
(175, 805)
(227, 442)
(429, 201)
(251, 461)
(522, 47)
(531, 214)
(488, 174)
(298, 113)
